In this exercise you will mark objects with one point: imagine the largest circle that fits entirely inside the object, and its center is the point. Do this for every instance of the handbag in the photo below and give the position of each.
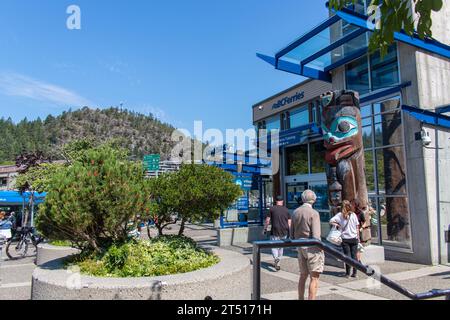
(335, 235)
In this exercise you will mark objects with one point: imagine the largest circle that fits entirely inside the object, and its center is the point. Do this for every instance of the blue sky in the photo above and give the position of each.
(182, 60)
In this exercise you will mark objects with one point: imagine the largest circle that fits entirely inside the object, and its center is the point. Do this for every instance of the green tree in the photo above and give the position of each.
(197, 193)
(397, 15)
(95, 201)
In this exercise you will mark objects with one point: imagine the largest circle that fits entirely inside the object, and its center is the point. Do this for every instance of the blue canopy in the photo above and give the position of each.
(336, 41)
(16, 198)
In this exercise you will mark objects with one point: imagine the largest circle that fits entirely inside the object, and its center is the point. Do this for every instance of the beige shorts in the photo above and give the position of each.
(311, 260)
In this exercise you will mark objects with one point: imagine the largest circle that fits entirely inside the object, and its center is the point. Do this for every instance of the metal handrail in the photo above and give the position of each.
(369, 271)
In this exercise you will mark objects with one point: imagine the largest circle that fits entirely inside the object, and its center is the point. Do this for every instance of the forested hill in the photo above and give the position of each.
(139, 133)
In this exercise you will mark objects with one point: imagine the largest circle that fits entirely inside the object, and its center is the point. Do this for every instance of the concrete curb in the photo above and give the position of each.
(47, 252)
(230, 279)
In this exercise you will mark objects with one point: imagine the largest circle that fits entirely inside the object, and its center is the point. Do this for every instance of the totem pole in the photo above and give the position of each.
(342, 129)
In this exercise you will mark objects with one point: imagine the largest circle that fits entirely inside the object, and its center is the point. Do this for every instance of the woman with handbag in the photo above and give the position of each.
(348, 224)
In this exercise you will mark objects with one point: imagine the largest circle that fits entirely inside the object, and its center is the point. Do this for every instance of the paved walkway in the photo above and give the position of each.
(282, 285)
(15, 276)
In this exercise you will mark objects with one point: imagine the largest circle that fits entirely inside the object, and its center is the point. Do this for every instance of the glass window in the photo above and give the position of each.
(392, 104)
(388, 129)
(273, 124)
(318, 163)
(321, 190)
(375, 221)
(294, 194)
(357, 75)
(299, 117)
(395, 224)
(367, 136)
(370, 171)
(384, 71)
(297, 160)
(391, 171)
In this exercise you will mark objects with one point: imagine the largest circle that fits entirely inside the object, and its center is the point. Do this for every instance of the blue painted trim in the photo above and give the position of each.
(316, 74)
(358, 53)
(333, 46)
(296, 68)
(428, 117)
(442, 110)
(289, 67)
(308, 36)
(430, 45)
(383, 93)
(268, 59)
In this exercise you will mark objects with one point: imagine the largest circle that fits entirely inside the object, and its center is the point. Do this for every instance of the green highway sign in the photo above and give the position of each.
(151, 162)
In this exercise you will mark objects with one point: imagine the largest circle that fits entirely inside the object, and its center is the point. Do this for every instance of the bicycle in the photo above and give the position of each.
(17, 246)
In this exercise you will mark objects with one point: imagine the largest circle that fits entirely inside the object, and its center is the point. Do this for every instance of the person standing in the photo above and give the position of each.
(347, 222)
(280, 219)
(306, 225)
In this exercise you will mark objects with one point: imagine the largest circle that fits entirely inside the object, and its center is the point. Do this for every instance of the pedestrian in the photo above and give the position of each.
(347, 222)
(280, 219)
(364, 228)
(306, 225)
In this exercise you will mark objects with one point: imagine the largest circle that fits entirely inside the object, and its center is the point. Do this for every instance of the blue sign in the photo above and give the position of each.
(244, 181)
(243, 204)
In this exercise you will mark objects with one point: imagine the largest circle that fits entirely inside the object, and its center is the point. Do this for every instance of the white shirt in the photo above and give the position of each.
(351, 231)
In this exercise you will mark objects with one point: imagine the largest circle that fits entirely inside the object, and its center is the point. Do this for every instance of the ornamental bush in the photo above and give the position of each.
(196, 193)
(95, 201)
(164, 255)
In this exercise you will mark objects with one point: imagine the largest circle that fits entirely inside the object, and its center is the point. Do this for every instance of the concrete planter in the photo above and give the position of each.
(47, 252)
(228, 280)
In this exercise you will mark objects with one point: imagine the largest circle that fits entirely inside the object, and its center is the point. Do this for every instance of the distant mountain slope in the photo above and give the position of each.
(139, 133)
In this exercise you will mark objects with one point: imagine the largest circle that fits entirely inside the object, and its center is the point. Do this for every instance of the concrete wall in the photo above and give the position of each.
(228, 280)
(236, 236)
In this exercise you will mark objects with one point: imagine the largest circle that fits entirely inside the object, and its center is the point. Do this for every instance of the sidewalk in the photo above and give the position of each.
(282, 285)
(15, 276)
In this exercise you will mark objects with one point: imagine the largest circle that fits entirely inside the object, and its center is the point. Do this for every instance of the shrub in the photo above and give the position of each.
(196, 193)
(164, 255)
(95, 201)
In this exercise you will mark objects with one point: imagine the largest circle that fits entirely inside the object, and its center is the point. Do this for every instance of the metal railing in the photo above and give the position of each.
(259, 245)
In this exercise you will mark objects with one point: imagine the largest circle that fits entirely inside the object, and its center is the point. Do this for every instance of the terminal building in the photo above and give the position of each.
(405, 98)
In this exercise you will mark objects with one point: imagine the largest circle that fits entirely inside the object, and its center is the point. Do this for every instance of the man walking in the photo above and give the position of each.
(281, 225)
(306, 225)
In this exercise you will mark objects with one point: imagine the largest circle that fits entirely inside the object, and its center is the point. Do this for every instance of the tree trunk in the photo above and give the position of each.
(182, 227)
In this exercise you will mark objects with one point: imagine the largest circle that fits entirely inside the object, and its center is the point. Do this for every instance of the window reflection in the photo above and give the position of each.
(318, 163)
(273, 124)
(357, 75)
(370, 171)
(391, 171)
(297, 160)
(384, 71)
(395, 224)
(299, 117)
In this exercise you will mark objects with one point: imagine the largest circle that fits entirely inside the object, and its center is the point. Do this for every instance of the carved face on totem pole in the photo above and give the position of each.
(341, 125)
(342, 130)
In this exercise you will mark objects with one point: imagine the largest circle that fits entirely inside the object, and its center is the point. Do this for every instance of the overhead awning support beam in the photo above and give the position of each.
(428, 117)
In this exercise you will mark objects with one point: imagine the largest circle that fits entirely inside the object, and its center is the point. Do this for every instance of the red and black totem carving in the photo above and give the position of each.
(342, 129)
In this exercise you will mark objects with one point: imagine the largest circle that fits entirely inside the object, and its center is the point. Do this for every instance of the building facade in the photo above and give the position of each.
(405, 170)
(8, 176)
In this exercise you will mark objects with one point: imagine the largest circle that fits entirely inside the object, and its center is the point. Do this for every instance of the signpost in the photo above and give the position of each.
(152, 162)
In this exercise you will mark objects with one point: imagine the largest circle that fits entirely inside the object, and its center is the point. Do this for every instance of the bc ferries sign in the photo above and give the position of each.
(289, 100)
